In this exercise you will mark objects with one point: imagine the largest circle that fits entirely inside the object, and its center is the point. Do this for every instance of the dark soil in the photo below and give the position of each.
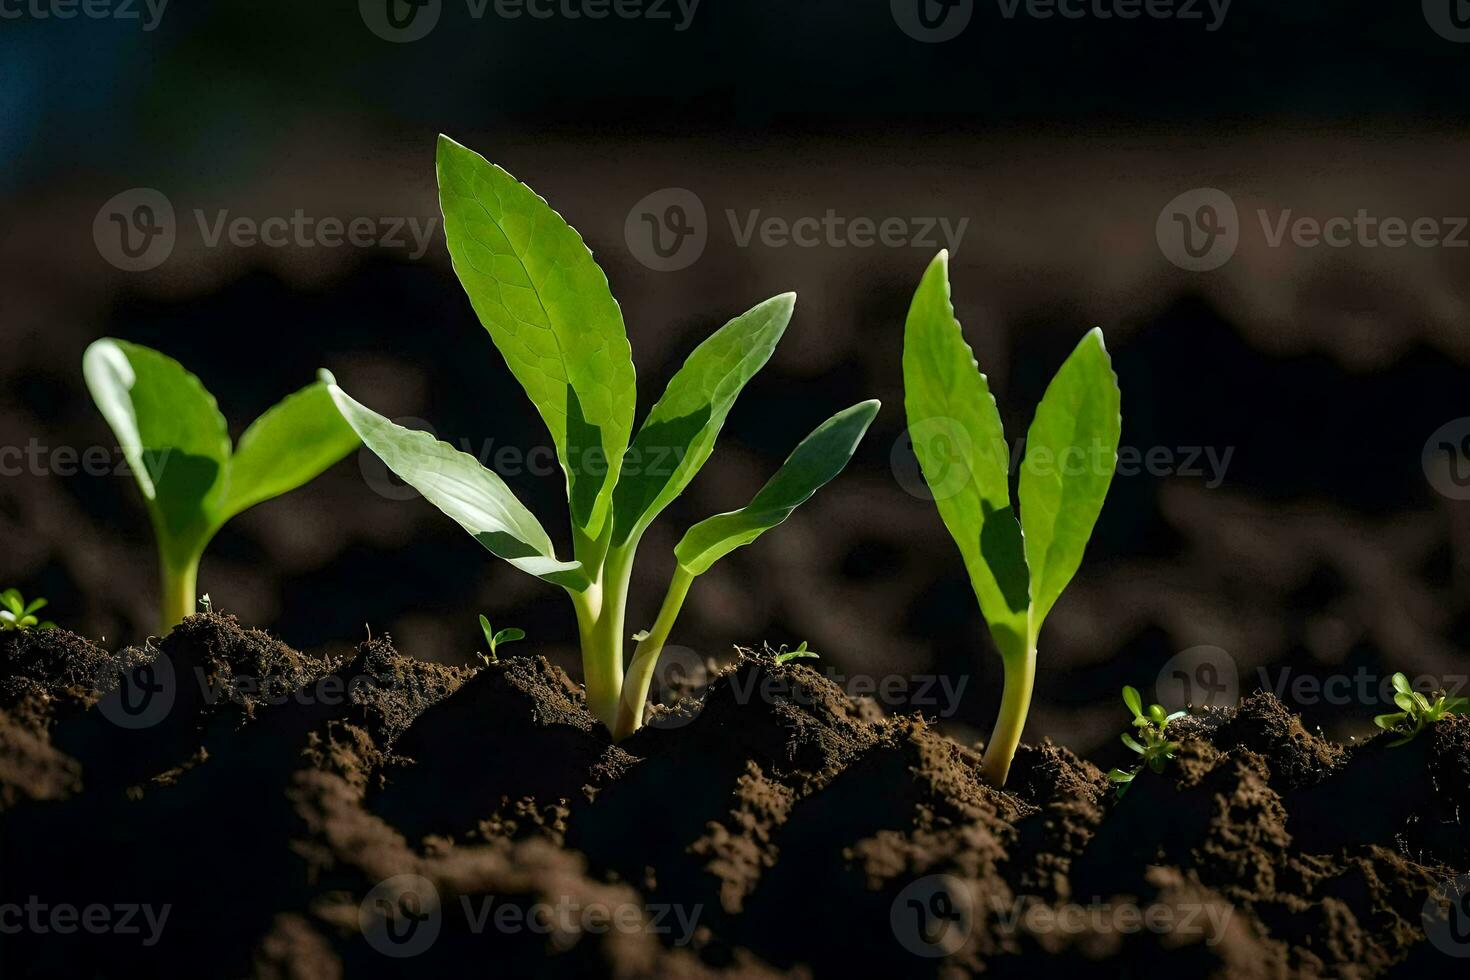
(378, 816)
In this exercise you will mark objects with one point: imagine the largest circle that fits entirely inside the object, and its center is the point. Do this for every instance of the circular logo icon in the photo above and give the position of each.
(679, 681)
(933, 916)
(945, 444)
(1446, 917)
(375, 473)
(401, 916)
(1449, 18)
(400, 21)
(933, 21)
(1200, 677)
(667, 230)
(139, 693)
(1199, 230)
(135, 230)
(1446, 459)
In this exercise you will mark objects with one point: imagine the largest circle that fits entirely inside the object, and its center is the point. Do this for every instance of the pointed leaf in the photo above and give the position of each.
(293, 443)
(547, 305)
(489, 633)
(509, 635)
(1389, 722)
(35, 605)
(819, 458)
(455, 482)
(1071, 455)
(958, 439)
(1134, 700)
(1132, 743)
(677, 437)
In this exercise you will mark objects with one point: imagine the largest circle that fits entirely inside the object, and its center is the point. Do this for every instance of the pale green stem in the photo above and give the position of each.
(178, 580)
(600, 621)
(1015, 703)
(645, 657)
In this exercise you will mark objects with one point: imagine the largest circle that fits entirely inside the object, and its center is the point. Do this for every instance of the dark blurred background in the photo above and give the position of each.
(1292, 506)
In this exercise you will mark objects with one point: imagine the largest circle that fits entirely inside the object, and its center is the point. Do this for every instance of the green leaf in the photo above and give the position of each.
(475, 498)
(677, 437)
(1071, 455)
(1407, 703)
(509, 635)
(819, 458)
(1401, 684)
(1389, 722)
(489, 633)
(35, 605)
(1456, 706)
(547, 306)
(1132, 743)
(290, 445)
(960, 443)
(1134, 700)
(170, 432)
(12, 600)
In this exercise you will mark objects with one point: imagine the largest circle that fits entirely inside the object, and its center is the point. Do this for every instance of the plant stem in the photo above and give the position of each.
(645, 657)
(1015, 703)
(600, 621)
(178, 582)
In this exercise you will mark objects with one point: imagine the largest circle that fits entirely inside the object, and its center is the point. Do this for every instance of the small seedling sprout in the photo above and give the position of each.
(1152, 742)
(1018, 567)
(494, 639)
(549, 310)
(17, 614)
(1416, 711)
(800, 653)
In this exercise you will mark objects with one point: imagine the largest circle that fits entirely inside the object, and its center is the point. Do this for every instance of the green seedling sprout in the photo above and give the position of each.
(1416, 711)
(17, 614)
(176, 443)
(494, 639)
(1155, 748)
(549, 310)
(800, 653)
(1018, 568)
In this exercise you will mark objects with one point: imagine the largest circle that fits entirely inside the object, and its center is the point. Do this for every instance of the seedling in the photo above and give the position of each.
(547, 306)
(1417, 712)
(176, 443)
(1071, 453)
(800, 653)
(494, 639)
(17, 614)
(1152, 724)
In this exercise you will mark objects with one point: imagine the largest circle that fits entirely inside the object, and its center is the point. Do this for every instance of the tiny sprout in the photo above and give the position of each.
(1418, 711)
(206, 604)
(17, 614)
(495, 639)
(801, 652)
(1155, 748)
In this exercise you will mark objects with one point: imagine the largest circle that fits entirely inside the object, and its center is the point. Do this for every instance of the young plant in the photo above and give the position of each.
(1417, 712)
(1071, 453)
(548, 308)
(176, 443)
(17, 614)
(1152, 724)
(800, 653)
(494, 639)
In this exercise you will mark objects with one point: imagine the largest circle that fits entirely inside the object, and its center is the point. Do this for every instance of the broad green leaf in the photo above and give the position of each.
(546, 303)
(170, 432)
(1134, 700)
(819, 458)
(509, 635)
(960, 443)
(677, 437)
(475, 498)
(292, 444)
(1071, 455)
